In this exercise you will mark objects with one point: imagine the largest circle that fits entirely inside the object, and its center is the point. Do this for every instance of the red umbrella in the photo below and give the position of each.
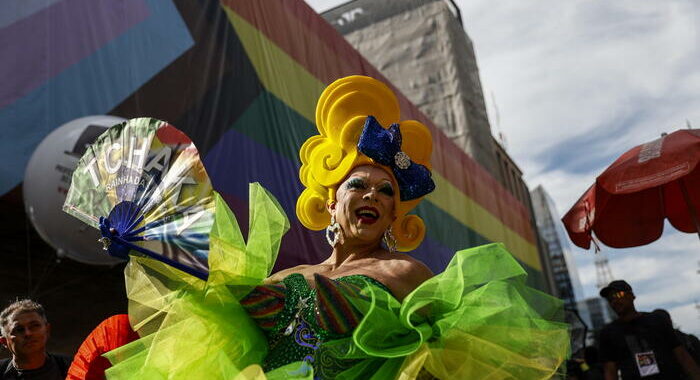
(628, 203)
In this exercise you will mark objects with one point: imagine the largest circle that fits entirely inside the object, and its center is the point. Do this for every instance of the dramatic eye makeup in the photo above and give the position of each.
(359, 183)
(387, 189)
(355, 183)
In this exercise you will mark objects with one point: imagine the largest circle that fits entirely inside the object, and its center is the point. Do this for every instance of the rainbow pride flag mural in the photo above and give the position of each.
(241, 78)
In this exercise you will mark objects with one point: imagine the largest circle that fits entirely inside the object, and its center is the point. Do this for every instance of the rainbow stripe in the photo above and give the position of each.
(84, 58)
(276, 36)
(336, 315)
(264, 304)
(241, 78)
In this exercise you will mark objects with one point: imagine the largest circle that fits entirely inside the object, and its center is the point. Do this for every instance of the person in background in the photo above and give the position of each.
(689, 341)
(640, 345)
(25, 331)
(592, 368)
(587, 367)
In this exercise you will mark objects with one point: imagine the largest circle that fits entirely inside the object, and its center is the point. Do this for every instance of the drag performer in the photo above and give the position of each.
(366, 312)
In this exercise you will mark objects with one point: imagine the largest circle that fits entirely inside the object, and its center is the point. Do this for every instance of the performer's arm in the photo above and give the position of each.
(610, 370)
(279, 276)
(687, 362)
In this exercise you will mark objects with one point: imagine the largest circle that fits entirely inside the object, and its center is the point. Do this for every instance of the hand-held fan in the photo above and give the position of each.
(144, 187)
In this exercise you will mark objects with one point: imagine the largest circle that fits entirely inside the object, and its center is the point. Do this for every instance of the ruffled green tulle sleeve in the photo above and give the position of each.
(476, 320)
(191, 327)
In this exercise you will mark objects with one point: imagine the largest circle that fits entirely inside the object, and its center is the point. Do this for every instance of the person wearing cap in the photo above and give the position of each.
(640, 345)
(689, 341)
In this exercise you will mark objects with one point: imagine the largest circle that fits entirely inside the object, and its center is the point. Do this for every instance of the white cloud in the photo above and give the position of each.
(588, 279)
(685, 317)
(577, 83)
(562, 69)
(564, 187)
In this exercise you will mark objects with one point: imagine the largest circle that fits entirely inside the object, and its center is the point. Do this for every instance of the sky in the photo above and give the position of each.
(574, 84)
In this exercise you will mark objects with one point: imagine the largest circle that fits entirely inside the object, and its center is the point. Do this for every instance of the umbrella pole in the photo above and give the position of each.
(693, 212)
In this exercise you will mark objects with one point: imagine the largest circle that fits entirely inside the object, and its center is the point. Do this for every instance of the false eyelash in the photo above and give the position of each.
(387, 189)
(355, 183)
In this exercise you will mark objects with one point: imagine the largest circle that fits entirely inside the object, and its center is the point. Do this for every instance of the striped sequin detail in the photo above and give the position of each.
(335, 314)
(264, 304)
(298, 318)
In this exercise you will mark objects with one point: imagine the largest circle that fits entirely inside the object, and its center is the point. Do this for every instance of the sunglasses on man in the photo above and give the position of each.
(616, 295)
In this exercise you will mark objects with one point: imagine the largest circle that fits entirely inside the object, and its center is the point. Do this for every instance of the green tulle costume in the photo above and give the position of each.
(476, 320)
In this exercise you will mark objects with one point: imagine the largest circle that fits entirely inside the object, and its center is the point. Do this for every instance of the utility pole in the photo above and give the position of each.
(603, 273)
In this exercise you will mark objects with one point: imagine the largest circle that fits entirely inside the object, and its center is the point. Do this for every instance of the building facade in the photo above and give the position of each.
(599, 311)
(562, 263)
(423, 49)
(565, 274)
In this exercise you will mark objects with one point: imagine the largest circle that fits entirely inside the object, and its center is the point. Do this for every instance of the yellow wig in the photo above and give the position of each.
(328, 158)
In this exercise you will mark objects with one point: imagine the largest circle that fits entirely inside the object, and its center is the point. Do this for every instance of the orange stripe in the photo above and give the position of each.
(294, 35)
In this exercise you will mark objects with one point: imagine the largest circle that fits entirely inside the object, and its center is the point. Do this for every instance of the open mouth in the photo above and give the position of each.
(367, 215)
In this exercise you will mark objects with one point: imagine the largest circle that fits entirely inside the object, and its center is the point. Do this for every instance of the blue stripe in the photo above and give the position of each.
(15, 10)
(236, 160)
(93, 86)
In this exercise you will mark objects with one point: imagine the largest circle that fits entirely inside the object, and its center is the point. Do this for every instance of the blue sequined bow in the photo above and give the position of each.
(384, 147)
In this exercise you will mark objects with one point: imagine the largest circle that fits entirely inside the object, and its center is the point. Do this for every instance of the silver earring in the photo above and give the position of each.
(389, 240)
(333, 229)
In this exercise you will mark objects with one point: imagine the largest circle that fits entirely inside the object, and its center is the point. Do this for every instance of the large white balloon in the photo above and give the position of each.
(46, 183)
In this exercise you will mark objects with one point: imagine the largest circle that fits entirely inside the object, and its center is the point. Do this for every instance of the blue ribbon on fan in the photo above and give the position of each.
(384, 147)
(118, 233)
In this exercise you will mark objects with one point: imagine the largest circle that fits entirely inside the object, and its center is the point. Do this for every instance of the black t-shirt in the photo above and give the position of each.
(55, 368)
(691, 344)
(621, 341)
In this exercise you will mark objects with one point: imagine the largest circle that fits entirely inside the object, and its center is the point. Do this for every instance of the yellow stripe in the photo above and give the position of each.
(299, 89)
(278, 72)
(451, 200)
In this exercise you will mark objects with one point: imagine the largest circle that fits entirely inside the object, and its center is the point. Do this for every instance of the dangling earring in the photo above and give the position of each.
(334, 229)
(389, 240)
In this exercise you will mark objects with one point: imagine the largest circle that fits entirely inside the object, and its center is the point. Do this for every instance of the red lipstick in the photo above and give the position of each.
(367, 215)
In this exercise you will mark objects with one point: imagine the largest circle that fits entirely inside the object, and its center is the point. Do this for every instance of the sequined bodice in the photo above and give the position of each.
(297, 319)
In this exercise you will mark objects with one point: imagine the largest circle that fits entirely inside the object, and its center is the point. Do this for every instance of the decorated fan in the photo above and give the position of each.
(143, 185)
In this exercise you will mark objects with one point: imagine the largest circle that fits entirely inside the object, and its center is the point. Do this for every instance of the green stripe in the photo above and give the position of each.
(443, 228)
(272, 123)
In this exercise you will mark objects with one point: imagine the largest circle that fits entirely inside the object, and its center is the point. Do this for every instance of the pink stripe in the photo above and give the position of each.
(41, 46)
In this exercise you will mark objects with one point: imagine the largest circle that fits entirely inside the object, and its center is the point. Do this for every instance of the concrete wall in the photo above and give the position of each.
(422, 48)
